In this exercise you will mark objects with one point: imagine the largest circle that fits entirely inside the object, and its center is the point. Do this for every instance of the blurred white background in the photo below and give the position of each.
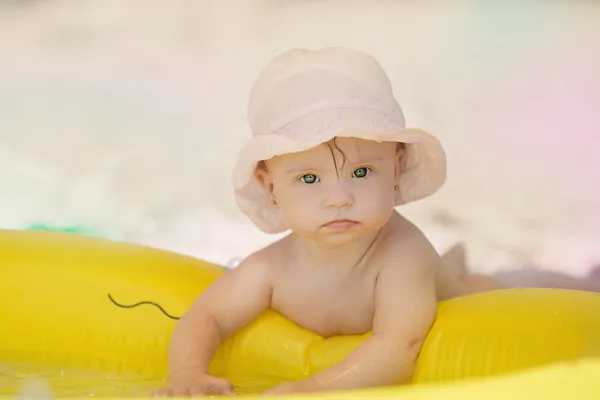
(125, 116)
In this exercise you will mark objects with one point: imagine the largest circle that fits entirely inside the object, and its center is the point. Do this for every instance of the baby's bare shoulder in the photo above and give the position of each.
(267, 259)
(407, 246)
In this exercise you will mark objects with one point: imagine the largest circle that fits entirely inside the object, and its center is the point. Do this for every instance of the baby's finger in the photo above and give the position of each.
(197, 392)
(181, 391)
(162, 392)
(222, 386)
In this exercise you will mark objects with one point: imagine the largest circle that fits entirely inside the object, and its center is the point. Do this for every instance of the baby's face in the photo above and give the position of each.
(315, 187)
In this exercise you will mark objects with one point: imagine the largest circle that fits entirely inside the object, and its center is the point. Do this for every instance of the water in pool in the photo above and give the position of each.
(35, 381)
(43, 381)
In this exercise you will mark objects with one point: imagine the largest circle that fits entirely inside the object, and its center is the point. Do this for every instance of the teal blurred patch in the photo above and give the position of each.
(78, 230)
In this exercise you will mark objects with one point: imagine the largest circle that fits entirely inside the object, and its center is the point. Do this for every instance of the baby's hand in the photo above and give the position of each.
(190, 385)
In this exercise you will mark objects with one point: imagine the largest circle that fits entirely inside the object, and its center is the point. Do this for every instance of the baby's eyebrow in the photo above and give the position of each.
(302, 168)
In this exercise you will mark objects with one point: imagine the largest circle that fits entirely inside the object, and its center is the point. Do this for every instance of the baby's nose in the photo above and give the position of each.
(339, 196)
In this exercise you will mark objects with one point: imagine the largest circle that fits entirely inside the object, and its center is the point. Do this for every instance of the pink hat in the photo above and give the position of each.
(304, 98)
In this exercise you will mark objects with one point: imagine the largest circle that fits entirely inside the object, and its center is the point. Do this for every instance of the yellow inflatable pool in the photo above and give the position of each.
(91, 315)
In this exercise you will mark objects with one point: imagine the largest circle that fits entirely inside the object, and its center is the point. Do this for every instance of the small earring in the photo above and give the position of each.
(273, 202)
(396, 187)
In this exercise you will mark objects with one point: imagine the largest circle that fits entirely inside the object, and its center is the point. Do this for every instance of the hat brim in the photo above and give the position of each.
(424, 174)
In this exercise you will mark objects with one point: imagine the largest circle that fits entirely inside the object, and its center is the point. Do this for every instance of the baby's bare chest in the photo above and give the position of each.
(326, 304)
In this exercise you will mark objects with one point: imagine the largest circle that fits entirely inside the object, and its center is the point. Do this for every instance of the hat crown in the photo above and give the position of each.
(300, 81)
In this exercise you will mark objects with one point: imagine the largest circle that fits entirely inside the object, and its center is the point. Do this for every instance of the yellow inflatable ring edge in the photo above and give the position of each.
(110, 306)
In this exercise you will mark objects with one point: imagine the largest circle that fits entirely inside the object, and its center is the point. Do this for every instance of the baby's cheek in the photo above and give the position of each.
(298, 209)
(378, 203)
(299, 199)
(378, 190)
(302, 222)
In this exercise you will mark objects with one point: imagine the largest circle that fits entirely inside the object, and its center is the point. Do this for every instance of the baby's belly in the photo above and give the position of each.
(328, 316)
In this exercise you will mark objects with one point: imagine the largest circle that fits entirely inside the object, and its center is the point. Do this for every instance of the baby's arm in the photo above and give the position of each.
(405, 307)
(221, 310)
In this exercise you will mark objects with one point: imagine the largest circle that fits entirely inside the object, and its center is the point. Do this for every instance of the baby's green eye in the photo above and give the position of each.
(309, 178)
(361, 172)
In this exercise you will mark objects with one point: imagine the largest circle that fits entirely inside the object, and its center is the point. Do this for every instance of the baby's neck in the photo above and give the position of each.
(319, 255)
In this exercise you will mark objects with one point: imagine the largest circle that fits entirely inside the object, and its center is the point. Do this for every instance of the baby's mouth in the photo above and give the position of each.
(341, 223)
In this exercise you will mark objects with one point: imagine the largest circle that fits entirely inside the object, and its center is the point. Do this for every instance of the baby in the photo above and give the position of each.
(329, 160)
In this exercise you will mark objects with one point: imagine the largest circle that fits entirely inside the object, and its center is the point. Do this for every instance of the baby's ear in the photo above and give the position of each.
(264, 177)
(400, 157)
